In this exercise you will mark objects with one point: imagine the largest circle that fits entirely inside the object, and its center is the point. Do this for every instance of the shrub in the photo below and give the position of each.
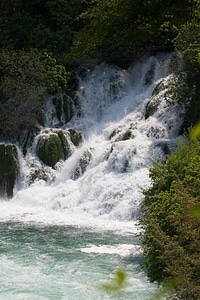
(25, 78)
(171, 232)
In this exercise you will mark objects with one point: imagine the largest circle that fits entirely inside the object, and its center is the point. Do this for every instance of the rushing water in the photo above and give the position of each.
(64, 238)
(63, 262)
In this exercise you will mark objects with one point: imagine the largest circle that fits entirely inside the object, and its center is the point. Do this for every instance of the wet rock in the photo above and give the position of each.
(48, 148)
(8, 169)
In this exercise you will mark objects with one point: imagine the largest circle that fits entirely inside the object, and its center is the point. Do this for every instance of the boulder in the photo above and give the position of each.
(49, 148)
(8, 169)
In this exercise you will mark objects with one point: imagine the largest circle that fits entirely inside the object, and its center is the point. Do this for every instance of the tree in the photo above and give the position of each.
(25, 78)
(41, 24)
(117, 29)
(188, 42)
(171, 231)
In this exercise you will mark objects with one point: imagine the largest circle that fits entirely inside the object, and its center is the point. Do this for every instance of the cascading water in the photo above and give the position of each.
(73, 230)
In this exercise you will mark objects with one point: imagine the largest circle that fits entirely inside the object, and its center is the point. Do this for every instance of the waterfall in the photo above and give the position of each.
(126, 119)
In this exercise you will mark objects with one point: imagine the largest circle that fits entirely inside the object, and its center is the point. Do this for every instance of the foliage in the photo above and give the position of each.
(40, 24)
(188, 42)
(171, 233)
(25, 77)
(117, 283)
(195, 132)
(116, 30)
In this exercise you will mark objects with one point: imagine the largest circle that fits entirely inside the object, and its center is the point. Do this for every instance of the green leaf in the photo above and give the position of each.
(195, 131)
(117, 283)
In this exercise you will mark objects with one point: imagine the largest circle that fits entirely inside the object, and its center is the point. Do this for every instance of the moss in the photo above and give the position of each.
(64, 108)
(37, 174)
(158, 88)
(49, 148)
(67, 108)
(65, 144)
(8, 169)
(126, 135)
(82, 165)
(57, 102)
(75, 137)
(151, 108)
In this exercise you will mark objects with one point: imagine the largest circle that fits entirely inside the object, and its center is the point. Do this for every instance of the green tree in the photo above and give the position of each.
(25, 78)
(116, 30)
(171, 232)
(41, 24)
(188, 42)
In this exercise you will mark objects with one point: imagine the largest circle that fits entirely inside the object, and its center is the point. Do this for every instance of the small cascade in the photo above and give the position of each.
(126, 118)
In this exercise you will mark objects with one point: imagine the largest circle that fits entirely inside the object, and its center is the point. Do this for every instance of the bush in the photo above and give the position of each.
(25, 77)
(171, 232)
(188, 42)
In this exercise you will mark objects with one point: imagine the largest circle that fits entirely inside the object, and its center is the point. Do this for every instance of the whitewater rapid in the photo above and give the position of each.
(119, 142)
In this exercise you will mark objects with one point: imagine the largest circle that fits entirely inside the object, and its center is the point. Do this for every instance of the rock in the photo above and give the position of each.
(152, 107)
(8, 169)
(75, 137)
(155, 100)
(49, 148)
(82, 164)
(66, 149)
(55, 144)
(65, 107)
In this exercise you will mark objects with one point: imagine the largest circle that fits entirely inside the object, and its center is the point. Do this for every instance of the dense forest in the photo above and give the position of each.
(43, 42)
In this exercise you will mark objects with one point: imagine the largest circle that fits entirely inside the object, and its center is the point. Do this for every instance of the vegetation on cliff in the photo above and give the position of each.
(171, 228)
(116, 30)
(25, 78)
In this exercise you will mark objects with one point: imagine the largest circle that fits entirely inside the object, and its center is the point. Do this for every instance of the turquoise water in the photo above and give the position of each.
(58, 262)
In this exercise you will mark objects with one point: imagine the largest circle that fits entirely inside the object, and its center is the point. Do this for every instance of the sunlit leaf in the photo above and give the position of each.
(117, 283)
(196, 212)
(195, 132)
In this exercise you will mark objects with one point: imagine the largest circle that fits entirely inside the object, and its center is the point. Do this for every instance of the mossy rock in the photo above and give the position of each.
(151, 107)
(158, 88)
(66, 150)
(127, 135)
(114, 132)
(149, 75)
(57, 102)
(68, 110)
(39, 172)
(8, 169)
(49, 148)
(75, 137)
(64, 108)
(82, 165)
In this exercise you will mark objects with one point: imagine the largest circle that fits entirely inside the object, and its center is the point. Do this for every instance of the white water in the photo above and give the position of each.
(108, 195)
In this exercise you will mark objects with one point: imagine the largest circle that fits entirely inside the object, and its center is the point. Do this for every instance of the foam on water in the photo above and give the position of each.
(121, 143)
(60, 262)
(61, 239)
